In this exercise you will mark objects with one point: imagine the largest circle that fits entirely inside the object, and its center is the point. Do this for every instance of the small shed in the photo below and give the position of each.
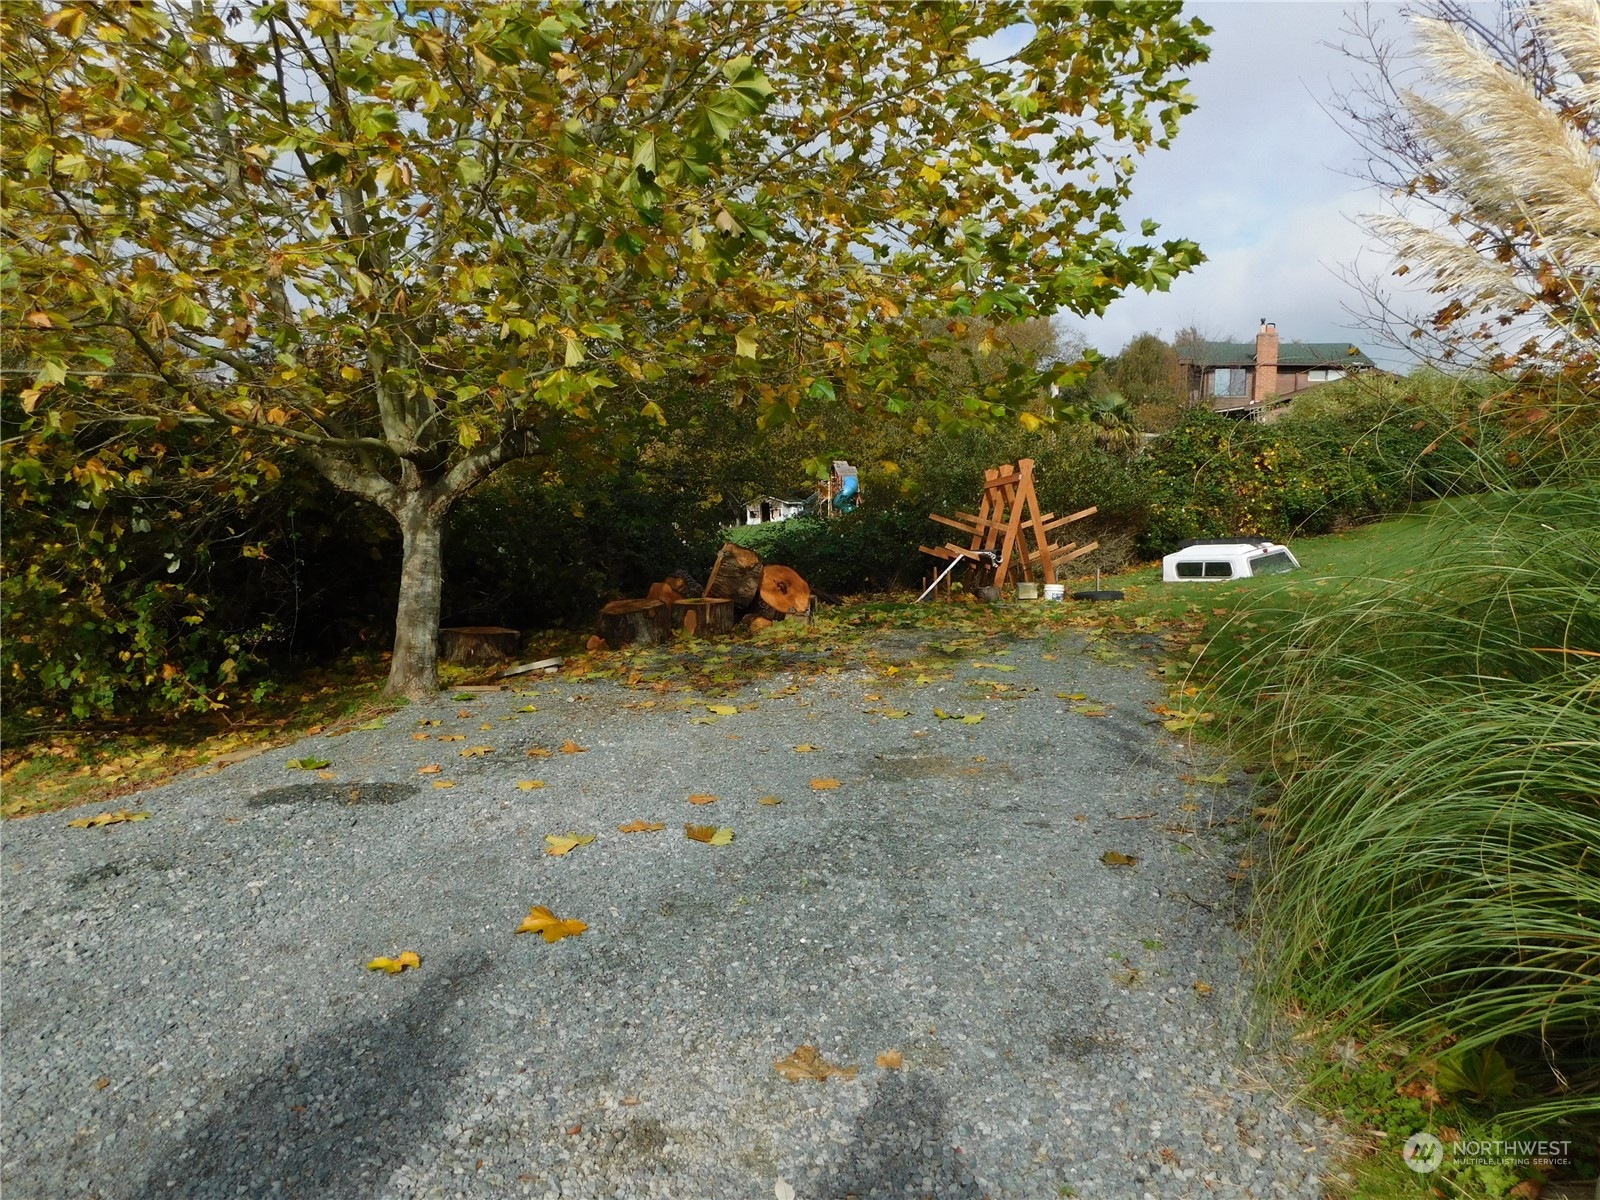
(772, 508)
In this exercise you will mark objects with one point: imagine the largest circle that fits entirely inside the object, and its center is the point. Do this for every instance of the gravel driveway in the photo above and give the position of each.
(187, 1010)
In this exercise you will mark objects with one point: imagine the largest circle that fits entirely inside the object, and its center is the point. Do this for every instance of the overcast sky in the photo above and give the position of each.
(1259, 176)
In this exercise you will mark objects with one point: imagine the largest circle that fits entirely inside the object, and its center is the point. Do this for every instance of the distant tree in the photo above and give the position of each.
(1148, 377)
(417, 241)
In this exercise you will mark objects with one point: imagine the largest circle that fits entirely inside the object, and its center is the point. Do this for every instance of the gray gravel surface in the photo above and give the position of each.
(187, 1010)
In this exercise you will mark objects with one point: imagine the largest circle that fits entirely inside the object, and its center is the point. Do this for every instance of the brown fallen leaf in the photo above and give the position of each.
(1201, 989)
(1137, 816)
(110, 818)
(427, 722)
(640, 826)
(463, 714)
(452, 737)
(571, 747)
(538, 752)
(807, 1063)
(547, 925)
(102, 1083)
(709, 834)
(891, 1060)
(824, 785)
(630, 1101)
(327, 774)
(420, 737)
(1116, 858)
(702, 798)
(476, 751)
(430, 769)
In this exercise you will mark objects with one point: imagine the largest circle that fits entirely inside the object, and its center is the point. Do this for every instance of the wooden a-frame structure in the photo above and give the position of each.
(1008, 517)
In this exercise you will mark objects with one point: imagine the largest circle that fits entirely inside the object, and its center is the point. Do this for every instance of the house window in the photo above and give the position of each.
(1324, 375)
(1230, 382)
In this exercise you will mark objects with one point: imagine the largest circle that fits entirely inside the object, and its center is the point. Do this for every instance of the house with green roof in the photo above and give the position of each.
(1256, 381)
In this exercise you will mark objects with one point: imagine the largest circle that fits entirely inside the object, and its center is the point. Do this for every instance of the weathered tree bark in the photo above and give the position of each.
(783, 593)
(736, 576)
(414, 668)
(646, 622)
(704, 617)
(478, 645)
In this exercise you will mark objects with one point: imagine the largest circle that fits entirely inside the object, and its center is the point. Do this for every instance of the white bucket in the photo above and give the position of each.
(1027, 591)
(1055, 591)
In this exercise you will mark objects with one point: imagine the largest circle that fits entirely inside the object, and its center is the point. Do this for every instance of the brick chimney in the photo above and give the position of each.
(1264, 384)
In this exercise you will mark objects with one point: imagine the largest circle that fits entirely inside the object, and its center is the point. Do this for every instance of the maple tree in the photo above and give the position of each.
(416, 242)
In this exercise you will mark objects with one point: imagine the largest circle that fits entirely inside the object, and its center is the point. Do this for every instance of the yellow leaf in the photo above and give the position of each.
(571, 747)
(1201, 989)
(640, 826)
(395, 965)
(327, 774)
(895, 714)
(565, 843)
(110, 818)
(430, 769)
(769, 801)
(528, 708)
(546, 924)
(528, 785)
(891, 1060)
(723, 710)
(824, 785)
(1115, 858)
(806, 1063)
(804, 748)
(452, 737)
(443, 783)
(487, 725)
(476, 751)
(538, 752)
(871, 698)
(419, 737)
(708, 834)
(1217, 780)
(427, 722)
(349, 374)
(702, 798)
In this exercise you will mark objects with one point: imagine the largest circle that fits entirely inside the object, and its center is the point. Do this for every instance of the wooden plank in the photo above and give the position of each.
(1071, 517)
(1081, 551)
(938, 552)
(981, 522)
(952, 523)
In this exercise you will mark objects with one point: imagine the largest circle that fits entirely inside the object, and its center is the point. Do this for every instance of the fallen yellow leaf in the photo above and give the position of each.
(807, 1063)
(427, 722)
(770, 801)
(824, 785)
(871, 698)
(327, 774)
(565, 843)
(527, 708)
(419, 737)
(443, 783)
(571, 747)
(395, 965)
(895, 714)
(110, 818)
(891, 1060)
(538, 752)
(452, 737)
(430, 769)
(487, 725)
(640, 826)
(1201, 989)
(804, 748)
(547, 925)
(528, 785)
(702, 798)
(476, 751)
(1116, 858)
(722, 710)
(708, 834)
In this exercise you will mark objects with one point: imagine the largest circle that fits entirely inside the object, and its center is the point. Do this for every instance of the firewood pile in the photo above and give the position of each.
(742, 592)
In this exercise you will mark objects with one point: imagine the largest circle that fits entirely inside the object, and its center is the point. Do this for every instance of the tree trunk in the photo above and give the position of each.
(783, 591)
(703, 617)
(735, 576)
(478, 645)
(414, 669)
(646, 622)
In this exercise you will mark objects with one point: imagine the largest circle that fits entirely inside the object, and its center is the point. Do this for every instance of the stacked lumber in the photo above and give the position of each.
(740, 591)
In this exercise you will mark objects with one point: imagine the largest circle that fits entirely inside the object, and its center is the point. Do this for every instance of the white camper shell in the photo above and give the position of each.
(1232, 558)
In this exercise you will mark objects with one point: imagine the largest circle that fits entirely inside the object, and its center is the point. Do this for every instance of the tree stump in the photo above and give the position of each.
(647, 622)
(478, 645)
(783, 592)
(704, 617)
(736, 576)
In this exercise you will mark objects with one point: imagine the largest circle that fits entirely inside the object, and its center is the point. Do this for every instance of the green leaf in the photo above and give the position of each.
(307, 764)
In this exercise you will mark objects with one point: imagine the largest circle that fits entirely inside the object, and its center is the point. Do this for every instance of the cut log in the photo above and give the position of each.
(647, 622)
(478, 645)
(757, 624)
(664, 592)
(685, 584)
(783, 593)
(736, 576)
(704, 617)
